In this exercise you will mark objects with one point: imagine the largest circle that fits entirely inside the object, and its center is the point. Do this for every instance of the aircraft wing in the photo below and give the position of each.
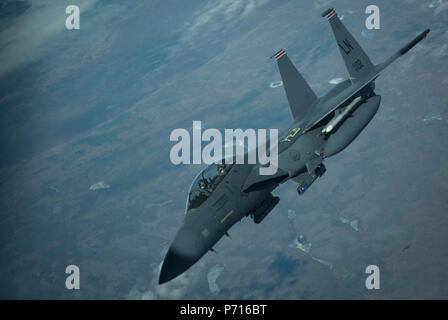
(380, 67)
(360, 78)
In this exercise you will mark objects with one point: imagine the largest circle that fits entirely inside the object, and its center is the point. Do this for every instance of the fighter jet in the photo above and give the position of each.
(222, 194)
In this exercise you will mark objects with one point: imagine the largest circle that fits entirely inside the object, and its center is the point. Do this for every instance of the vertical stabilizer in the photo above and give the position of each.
(299, 93)
(356, 60)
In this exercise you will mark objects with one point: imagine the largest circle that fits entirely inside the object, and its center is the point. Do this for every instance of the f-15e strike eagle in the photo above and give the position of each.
(222, 194)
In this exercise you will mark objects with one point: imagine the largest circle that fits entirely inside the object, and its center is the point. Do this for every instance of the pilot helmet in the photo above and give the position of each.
(202, 184)
(222, 169)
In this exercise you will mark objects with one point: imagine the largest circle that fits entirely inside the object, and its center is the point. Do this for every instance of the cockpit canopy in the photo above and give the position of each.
(205, 183)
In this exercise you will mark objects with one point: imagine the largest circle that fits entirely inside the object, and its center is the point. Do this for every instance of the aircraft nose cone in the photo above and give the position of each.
(174, 265)
(185, 250)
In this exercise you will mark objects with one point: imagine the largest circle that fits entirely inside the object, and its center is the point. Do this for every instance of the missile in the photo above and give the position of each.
(341, 116)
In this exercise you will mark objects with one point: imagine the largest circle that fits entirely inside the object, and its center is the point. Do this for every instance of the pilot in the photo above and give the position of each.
(203, 184)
